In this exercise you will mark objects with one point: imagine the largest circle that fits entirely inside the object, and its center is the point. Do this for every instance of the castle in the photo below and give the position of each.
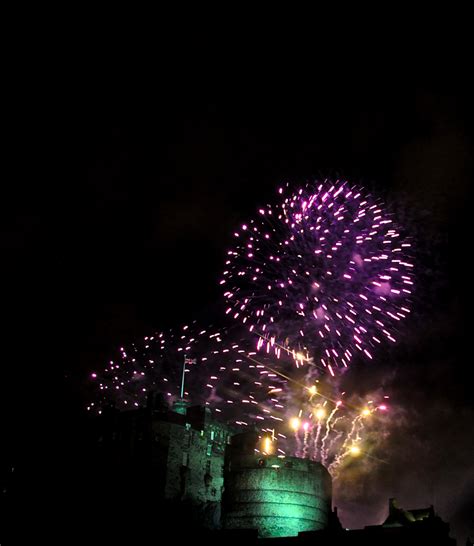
(200, 477)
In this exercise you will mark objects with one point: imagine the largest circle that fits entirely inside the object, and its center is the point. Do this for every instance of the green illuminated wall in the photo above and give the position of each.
(279, 497)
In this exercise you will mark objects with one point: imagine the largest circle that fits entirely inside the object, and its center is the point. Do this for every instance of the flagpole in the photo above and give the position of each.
(182, 378)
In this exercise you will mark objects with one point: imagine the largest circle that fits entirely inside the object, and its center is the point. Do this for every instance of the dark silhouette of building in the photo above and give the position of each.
(174, 458)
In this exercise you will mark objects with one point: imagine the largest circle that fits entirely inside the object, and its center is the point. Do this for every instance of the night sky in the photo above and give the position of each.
(121, 229)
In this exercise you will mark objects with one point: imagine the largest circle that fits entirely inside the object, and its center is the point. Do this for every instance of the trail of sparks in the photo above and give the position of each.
(325, 437)
(347, 444)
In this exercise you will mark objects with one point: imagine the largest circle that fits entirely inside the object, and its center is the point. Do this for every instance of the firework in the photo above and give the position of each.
(156, 363)
(298, 413)
(324, 275)
(329, 426)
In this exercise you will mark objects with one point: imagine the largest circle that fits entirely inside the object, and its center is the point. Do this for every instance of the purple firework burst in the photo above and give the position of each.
(324, 274)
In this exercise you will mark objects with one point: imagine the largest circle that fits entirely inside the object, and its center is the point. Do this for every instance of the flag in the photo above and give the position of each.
(189, 361)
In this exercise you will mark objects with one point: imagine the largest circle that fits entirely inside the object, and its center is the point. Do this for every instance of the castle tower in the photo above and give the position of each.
(278, 496)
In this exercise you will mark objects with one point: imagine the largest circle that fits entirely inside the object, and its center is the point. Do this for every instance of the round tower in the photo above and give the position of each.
(277, 496)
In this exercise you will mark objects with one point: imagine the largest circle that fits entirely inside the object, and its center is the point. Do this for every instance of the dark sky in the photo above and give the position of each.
(122, 227)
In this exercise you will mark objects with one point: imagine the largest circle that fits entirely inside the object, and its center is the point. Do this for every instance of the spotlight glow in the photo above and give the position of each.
(295, 423)
(320, 413)
(355, 450)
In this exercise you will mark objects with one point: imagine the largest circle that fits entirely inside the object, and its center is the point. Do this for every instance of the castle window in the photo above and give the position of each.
(185, 459)
(209, 450)
(212, 435)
